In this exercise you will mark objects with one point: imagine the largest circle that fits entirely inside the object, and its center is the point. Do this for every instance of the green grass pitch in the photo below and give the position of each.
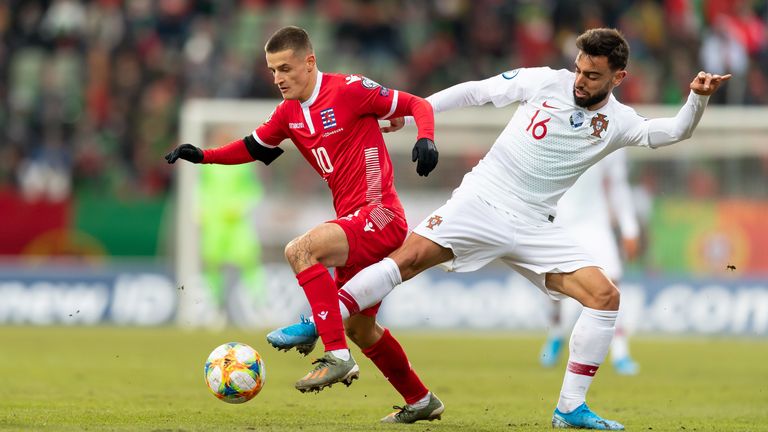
(127, 379)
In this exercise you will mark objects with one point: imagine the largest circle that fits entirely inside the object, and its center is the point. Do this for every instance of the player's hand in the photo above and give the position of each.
(631, 247)
(706, 83)
(425, 153)
(395, 125)
(187, 152)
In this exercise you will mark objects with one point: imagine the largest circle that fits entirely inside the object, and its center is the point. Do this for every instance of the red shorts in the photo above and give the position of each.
(373, 232)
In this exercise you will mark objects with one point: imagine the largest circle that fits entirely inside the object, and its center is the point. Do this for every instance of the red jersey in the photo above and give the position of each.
(337, 131)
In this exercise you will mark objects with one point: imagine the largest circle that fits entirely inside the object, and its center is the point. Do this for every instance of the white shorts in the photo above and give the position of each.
(477, 233)
(600, 243)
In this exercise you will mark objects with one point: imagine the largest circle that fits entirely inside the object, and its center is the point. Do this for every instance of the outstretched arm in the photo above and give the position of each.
(470, 93)
(502, 90)
(260, 145)
(237, 152)
(664, 131)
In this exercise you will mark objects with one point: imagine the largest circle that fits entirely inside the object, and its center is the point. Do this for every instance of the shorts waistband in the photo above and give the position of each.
(521, 209)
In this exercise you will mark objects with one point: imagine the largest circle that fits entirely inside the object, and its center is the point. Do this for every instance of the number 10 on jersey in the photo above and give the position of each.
(323, 160)
(539, 129)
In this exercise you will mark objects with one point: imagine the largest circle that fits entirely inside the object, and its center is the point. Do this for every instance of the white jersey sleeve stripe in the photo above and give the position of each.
(393, 107)
(260, 141)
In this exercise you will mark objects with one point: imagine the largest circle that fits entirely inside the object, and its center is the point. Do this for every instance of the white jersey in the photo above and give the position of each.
(550, 141)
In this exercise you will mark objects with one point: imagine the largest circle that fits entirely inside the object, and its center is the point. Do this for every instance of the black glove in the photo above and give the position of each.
(426, 153)
(186, 152)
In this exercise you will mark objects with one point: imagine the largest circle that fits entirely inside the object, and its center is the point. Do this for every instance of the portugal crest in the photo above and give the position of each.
(434, 221)
(599, 124)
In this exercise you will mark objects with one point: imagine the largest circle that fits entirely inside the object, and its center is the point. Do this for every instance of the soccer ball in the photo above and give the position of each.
(235, 372)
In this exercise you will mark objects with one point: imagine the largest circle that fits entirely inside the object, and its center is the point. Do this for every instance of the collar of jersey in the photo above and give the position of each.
(315, 92)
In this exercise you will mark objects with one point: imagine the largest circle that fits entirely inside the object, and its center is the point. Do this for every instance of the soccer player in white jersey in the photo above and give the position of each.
(566, 121)
(585, 211)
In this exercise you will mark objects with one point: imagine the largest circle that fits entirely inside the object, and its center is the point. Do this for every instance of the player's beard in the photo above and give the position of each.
(589, 101)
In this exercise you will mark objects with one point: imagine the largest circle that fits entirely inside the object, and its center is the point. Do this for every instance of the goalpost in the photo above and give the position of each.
(724, 133)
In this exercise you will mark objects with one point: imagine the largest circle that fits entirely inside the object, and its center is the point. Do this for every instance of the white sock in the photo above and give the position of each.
(342, 354)
(588, 347)
(370, 285)
(421, 403)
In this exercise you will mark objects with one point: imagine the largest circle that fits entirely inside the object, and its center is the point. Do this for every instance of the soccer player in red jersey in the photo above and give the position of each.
(333, 121)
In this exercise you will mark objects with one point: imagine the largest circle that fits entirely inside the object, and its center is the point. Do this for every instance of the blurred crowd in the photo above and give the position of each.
(91, 90)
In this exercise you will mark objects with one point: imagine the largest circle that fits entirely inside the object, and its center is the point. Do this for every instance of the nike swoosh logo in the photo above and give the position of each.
(546, 105)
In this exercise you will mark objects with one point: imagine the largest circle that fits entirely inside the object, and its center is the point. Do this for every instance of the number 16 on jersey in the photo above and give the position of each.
(539, 129)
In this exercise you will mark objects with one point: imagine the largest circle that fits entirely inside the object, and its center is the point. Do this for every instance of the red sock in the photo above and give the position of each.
(323, 298)
(389, 357)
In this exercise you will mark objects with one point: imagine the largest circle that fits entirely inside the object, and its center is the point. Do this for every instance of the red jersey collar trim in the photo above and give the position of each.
(315, 92)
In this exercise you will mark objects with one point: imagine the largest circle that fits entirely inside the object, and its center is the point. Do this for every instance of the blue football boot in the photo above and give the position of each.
(626, 366)
(550, 352)
(583, 418)
(302, 336)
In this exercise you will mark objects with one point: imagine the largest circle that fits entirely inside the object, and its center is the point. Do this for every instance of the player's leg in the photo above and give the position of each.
(599, 241)
(309, 255)
(370, 234)
(366, 289)
(553, 346)
(374, 282)
(589, 343)
(462, 234)
(381, 347)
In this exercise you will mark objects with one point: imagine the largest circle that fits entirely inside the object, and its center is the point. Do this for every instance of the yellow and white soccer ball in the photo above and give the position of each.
(235, 372)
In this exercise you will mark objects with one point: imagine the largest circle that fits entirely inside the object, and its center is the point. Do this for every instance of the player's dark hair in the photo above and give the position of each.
(606, 42)
(291, 37)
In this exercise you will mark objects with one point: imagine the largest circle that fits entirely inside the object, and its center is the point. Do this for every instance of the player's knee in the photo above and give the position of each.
(607, 297)
(299, 254)
(289, 251)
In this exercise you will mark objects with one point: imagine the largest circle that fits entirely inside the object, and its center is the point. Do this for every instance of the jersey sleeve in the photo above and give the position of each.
(665, 131)
(512, 86)
(274, 129)
(373, 99)
(370, 97)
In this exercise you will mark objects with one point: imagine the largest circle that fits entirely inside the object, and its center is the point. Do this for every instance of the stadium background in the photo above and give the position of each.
(92, 95)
